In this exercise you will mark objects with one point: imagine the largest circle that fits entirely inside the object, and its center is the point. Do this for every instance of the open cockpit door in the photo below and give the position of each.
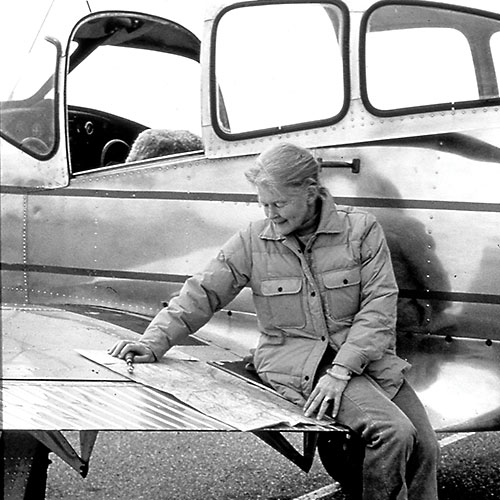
(86, 83)
(33, 148)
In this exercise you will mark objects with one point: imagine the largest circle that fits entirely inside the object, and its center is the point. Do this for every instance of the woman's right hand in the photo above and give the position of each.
(141, 352)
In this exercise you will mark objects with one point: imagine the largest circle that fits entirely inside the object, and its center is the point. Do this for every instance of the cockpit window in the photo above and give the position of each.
(412, 72)
(278, 67)
(154, 88)
(27, 108)
(419, 57)
(132, 91)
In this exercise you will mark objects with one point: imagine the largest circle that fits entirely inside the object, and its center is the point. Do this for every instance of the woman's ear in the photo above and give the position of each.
(312, 192)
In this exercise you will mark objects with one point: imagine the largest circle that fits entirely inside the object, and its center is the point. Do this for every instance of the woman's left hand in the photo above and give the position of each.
(328, 390)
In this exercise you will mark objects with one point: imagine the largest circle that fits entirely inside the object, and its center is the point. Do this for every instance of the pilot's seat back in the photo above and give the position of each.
(153, 143)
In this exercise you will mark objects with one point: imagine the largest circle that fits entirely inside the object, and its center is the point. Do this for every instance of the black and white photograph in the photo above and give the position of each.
(250, 249)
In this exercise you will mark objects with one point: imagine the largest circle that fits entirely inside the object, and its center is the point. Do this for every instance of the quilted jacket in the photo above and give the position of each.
(338, 290)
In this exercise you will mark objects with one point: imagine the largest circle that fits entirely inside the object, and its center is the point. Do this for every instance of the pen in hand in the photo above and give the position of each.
(129, 358)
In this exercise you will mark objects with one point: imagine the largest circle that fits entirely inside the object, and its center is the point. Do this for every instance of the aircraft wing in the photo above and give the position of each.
(57, 376)
(48, 385)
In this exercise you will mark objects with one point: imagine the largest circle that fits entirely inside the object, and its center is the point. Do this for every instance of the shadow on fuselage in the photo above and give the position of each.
(418, 270)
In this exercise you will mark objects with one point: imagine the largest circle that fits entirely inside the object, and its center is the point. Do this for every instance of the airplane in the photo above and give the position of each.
(124, 138)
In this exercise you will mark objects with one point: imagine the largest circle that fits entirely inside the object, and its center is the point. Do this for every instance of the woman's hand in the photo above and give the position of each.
(141, 352)
(329, 389)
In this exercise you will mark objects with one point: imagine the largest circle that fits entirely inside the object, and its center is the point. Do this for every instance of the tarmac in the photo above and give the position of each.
(238, 466)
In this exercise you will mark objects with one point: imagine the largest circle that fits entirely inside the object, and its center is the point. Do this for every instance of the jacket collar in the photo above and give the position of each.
(329, 220)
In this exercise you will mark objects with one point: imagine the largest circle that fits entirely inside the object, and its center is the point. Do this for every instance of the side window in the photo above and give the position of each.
(27, 105)
(133, 99)
(278, 66)
(153, 88)
(419, 57)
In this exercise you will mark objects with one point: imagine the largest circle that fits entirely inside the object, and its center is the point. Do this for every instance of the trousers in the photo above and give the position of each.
(401, 449)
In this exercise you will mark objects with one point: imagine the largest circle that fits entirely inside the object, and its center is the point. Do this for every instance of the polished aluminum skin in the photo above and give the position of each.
(125, 237)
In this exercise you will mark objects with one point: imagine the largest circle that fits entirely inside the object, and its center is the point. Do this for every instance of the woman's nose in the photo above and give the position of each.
(270, 212)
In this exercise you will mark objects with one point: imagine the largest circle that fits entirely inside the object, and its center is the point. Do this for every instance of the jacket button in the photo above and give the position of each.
(346, 281)
(280, 289)
(306, 377)
(313, 294)
(323, 338)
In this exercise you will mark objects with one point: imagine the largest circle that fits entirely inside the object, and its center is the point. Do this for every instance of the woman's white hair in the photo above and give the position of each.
(285, 165)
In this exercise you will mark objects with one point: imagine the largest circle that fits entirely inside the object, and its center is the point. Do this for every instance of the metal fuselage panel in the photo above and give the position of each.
(13, 247)
(129, 238)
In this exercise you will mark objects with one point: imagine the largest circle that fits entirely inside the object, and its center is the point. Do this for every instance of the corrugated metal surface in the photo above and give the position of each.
(56, 405)
(47, 385)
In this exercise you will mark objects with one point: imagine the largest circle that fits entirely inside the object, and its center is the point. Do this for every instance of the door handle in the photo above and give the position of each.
(354, 165)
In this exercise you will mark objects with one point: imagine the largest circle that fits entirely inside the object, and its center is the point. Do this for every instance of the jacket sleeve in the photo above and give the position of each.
(373, 330)
(201, 297)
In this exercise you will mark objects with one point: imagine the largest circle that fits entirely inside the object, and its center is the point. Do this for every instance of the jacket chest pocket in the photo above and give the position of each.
(342, 291)
(280, 303)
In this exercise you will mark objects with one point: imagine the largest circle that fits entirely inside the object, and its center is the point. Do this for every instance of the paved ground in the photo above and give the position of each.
(205, 466)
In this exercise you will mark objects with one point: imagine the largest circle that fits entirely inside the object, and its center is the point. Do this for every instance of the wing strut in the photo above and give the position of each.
(56, 442)
(277, 441)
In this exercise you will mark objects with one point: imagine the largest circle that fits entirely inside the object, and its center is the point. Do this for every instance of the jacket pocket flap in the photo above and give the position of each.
(341, 278)
(281, 286)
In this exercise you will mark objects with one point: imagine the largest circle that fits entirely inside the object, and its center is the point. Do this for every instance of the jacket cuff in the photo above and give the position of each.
(159, 348)
(351, 359)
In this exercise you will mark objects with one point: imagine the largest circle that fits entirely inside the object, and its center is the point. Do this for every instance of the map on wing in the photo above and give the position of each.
(211, 390)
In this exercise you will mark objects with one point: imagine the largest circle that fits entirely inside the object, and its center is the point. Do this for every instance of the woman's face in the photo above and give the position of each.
(289, 209)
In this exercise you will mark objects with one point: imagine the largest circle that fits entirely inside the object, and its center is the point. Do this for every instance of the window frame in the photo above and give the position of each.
(53, 83)
(214, 91)
(435, 107)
